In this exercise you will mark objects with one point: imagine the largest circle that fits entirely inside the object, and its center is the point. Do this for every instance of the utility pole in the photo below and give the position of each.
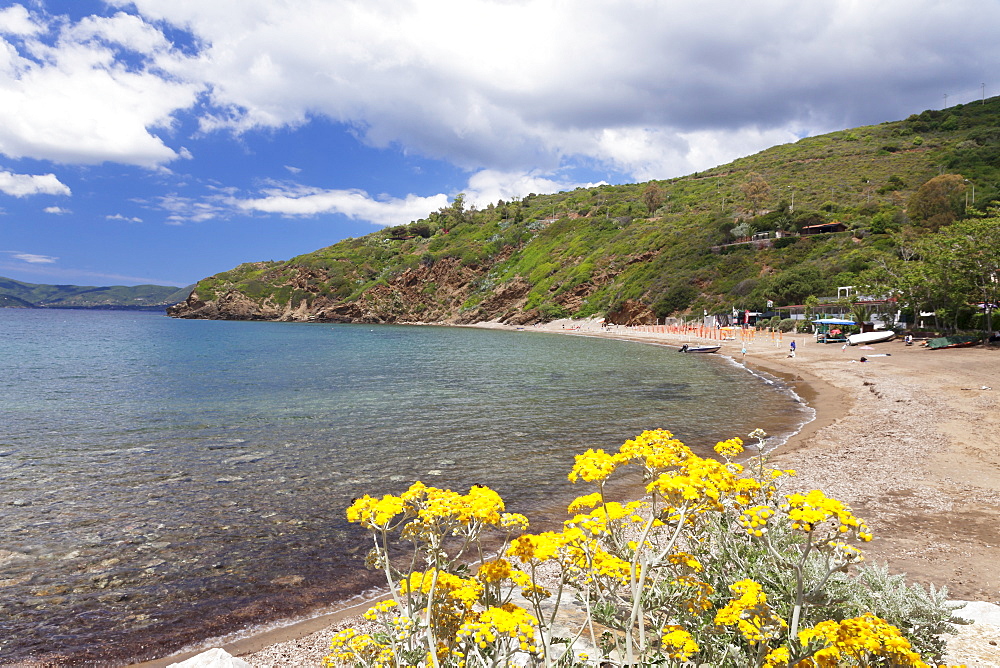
(984, 95)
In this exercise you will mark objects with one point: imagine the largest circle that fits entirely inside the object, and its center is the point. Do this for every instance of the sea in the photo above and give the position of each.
(165, 482)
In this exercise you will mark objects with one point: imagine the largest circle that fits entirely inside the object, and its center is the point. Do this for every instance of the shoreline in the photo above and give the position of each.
(870, 444)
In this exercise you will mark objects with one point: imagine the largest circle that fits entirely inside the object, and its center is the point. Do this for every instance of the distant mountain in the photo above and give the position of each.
(790, 222)
(15, 294)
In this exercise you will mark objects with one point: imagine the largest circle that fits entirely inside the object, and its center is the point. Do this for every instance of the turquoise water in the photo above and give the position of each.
(165, 481)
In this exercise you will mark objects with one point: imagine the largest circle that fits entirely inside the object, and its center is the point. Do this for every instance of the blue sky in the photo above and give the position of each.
(162, 141)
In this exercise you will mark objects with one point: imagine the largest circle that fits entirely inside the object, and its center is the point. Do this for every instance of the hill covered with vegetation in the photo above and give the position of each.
(788, 224)
(15, 294)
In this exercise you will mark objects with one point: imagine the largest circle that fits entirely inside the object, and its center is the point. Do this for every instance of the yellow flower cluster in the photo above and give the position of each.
(494, 571)
(808, 511)
(375, 513)
(678, 643)
(657, 449)
(449, 598)
(509, 621)
(537, 547)
(584, 502)
(699, 483)
(750, 613)
(594, 466)
(435, 512)
(686, 560)
(730, 448)
(847, 553)
(859, 639)
(461, 620)
(530, 590)
(380, 607)
(465, 591)
(754, 520)
(609, 566)
(696, 594)
(351, 647)
(777, 658)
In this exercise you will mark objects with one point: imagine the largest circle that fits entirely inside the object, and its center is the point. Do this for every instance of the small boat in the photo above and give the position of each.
(952, 342)
(870, 337)
(698, 349)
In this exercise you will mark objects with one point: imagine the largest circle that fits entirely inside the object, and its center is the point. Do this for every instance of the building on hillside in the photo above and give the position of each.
(824, 228)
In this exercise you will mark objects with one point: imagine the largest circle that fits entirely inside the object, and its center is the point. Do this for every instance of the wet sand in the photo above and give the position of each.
(911, 440)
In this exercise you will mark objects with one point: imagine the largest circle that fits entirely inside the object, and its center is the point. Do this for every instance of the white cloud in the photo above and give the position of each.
(93, 94)
(21, 185)
(183, 210)
(497, 87)
(355, 204)
(127, 219)
(517, 85)
(488, 186)
(32, 258)
(15, 20)
(56, 210)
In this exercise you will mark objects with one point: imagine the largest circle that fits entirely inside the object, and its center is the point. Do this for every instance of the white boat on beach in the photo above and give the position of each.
(698, 349)
(870, 337)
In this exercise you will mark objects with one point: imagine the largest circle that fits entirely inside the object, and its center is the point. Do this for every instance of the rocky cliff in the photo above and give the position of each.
(439, 293)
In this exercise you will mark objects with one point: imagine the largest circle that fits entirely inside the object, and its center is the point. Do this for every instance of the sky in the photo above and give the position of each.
(163, 141)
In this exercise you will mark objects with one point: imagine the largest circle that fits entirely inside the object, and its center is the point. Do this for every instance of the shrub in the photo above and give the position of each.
(553, 311)
(714, 567)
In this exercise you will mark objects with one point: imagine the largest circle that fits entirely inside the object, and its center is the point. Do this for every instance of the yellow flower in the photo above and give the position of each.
(376, 513)
(582, 502)
(611, 566)
(687, 560)
(507, 622)
(494, 571)
(696, 594)
(535, 547)
(777, 658)
(809, 511)
(859, 639)
(678, 643)
(594, 466)
(754, 520)
(514, 521)
(657, 449)
(750, 613)
(730, 448)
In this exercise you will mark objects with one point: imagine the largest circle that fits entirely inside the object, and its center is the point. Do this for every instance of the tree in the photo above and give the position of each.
(938, 202)
(970, 250)
(741, 231)
(652, 197)
(811, 304)
(456, 212)
(756, 191)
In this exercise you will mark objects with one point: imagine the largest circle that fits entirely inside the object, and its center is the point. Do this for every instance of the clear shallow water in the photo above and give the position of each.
(164, 481)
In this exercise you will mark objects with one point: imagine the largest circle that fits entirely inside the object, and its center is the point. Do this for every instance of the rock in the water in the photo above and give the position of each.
(213, 658)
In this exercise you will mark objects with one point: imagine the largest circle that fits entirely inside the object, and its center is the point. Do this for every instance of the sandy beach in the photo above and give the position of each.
(908, 438)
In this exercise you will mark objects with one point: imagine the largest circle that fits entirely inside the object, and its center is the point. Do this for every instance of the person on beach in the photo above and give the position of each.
(791, 349)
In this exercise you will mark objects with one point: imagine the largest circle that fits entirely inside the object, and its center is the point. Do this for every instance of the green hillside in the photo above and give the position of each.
(15, 294)
(708, 241)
